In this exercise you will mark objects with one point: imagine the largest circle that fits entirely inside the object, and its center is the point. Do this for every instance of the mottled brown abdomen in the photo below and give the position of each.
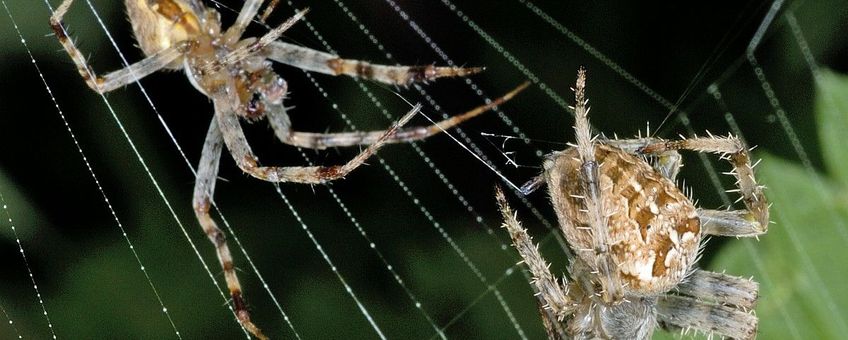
(653, 228)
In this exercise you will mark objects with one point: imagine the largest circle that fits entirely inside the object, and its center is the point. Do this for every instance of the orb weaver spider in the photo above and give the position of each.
(236, 74)
(634, 238)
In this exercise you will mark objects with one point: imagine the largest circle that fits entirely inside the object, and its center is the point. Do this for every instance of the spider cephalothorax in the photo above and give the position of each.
(236, 74)
(634, 239)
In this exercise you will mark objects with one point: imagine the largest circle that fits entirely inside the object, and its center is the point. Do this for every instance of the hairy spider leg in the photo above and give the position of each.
(690, 313)
(116, 79)
(592, 200)
(246, 14)
(554, 294)
(236, 142)
(326, 63)
(281, 124)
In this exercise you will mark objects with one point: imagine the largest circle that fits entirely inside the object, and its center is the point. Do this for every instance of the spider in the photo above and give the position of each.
(237, 75)
(634, 239)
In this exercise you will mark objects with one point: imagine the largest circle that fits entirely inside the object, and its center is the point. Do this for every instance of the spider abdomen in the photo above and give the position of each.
(160, 24)
(652, 227)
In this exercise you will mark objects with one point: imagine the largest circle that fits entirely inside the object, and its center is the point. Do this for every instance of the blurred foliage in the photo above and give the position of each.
(93, 288)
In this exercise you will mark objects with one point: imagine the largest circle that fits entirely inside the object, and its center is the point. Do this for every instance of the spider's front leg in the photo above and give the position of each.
(592, 200)
(553, 293)
(204, 188)
(236, 142)
(245, 16)
(322, 62)
(751, 222)
(119, 78)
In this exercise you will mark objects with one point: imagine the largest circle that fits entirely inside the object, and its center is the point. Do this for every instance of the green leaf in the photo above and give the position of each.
(832, 113)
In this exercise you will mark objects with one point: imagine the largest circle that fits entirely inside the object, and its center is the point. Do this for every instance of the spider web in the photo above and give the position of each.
(406, 247)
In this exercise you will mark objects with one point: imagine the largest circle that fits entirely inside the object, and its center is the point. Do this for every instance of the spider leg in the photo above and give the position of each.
(733, 150)
(268, 10)
(555, 296)
(282, 128)
(720, 288)
(731, 223)
(553, 327)
(204, 187)
(322, 62)
(596, 214)
(690, 313)
(239, 148)
(119, 78)
(245, 16)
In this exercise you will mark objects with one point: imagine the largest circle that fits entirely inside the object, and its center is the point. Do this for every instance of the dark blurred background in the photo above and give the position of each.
(92, 286)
